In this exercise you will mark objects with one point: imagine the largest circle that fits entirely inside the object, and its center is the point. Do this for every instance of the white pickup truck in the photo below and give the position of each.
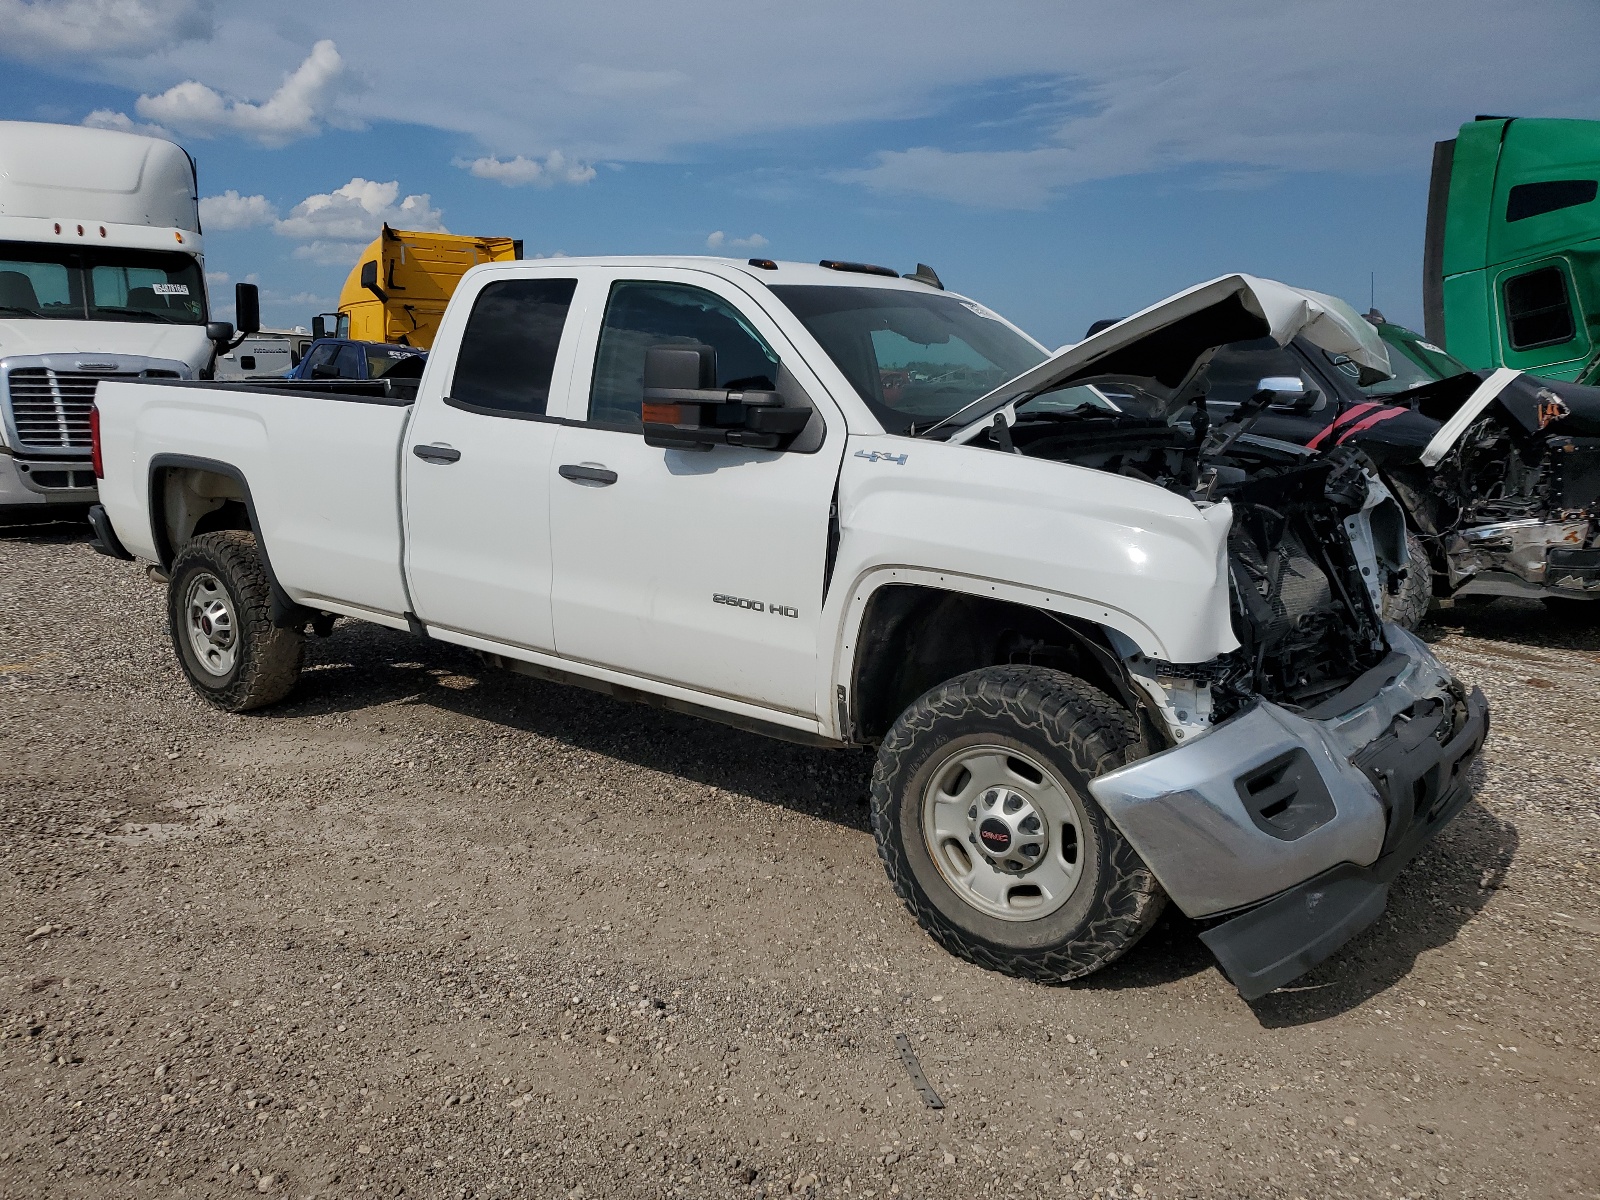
(1110, 650)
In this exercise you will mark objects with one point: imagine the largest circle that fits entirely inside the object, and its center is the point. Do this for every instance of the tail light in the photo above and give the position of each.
(94, 442)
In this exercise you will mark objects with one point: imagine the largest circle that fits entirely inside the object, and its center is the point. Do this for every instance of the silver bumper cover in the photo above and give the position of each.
(1271, 799)
(44, 481)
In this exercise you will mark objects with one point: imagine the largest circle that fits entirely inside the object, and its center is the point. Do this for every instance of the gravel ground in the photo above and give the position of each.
(434, 930)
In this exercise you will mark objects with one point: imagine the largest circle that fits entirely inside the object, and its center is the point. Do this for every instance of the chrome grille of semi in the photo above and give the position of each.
(50, 409)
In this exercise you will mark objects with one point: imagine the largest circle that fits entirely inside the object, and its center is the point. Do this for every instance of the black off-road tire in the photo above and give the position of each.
(1407, 607)
(267, 659)
(1080, 733)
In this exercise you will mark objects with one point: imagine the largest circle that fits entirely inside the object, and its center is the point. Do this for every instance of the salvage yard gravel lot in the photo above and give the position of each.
(430, 929)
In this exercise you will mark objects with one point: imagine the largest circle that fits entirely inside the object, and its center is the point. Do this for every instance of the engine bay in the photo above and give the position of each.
(1302, 611)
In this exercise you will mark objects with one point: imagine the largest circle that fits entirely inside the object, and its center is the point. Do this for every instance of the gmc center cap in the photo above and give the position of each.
(995, 835)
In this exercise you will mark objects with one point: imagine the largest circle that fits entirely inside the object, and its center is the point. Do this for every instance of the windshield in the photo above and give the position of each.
(381, 358)
(100, 283)
(914, 358)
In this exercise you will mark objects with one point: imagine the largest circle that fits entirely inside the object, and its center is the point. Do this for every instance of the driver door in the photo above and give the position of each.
(701, 568)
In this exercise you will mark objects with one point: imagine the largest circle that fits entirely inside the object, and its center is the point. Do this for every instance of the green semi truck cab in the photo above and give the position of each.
(1511, 265)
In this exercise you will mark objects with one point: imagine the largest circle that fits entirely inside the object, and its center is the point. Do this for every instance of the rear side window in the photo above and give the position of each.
(640, 315)
(1535, 199)
(1538, 310)
(380, 359)
(508, 353)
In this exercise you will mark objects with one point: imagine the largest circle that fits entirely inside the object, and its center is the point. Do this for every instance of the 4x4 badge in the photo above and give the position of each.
(880, 456)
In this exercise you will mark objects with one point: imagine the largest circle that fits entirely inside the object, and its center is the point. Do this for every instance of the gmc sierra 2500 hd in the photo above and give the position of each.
(1110, 650)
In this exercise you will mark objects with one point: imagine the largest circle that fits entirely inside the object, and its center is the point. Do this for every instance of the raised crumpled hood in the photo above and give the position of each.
(1163, 346)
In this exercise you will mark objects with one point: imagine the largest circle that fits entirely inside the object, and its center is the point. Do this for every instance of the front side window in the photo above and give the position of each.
(914, 357)
(508, 352)
(100, 284)
(640, 315)
(1235, 372)
(319, 363)
(348, 364)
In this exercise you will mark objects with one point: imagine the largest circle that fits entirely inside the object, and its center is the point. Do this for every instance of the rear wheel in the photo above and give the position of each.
(985, 824)
(219, 611)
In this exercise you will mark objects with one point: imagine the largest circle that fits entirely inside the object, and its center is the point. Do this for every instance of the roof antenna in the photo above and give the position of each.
(925, 274)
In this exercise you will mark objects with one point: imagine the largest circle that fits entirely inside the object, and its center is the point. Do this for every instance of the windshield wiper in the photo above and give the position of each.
(998, 404)
(21, 308)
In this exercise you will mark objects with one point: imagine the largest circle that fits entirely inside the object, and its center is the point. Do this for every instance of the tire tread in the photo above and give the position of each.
(1088, 728)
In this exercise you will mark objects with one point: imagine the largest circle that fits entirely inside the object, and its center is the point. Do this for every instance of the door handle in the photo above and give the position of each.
(437, 454)
(587, 474)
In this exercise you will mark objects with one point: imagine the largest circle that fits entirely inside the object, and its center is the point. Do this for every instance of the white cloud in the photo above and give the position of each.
(718, 240)
(106, 118)
(334, 227)
(296, 110)
(218, 277)
(1012, 104)
(519, 171)
(330, 254)
(233, 211)
(38, 30)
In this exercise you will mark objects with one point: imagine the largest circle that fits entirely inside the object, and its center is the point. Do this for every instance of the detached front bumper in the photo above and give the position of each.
(1526, 558)
(1296, 823)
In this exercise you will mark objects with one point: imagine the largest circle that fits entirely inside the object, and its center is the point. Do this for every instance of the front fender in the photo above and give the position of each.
(1125, 554)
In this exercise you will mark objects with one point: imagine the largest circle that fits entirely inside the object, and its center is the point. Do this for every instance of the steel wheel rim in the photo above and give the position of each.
(211, 624)
(974, 794)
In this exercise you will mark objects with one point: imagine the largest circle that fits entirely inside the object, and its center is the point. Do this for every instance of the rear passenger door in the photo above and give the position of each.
(477, 463)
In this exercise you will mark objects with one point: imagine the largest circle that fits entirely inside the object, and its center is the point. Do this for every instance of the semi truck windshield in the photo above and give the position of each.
(101, 283)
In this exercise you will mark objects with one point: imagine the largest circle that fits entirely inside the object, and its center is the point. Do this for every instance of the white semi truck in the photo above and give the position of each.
(1112, 648)
(101, 277)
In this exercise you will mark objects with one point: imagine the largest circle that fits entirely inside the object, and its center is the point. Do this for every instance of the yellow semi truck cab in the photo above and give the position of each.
(398, 289)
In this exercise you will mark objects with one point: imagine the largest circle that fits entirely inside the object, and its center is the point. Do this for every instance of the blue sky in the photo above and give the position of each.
(1063, 161)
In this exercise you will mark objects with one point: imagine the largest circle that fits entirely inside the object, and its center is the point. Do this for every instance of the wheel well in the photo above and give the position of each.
(913, 638)
(193, 501)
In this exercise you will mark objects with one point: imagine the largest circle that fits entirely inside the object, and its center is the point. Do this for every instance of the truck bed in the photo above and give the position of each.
(316, 463)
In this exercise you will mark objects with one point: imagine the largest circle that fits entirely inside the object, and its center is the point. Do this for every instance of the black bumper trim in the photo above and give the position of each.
(105, 537)
(1281, 939)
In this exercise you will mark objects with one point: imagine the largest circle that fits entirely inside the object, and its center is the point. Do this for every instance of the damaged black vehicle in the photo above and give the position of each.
(1498, 472)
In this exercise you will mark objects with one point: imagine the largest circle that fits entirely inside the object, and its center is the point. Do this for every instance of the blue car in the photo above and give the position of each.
(339, 358)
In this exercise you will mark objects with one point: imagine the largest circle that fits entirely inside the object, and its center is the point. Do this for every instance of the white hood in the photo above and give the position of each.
(1165, 344)
(183, 343)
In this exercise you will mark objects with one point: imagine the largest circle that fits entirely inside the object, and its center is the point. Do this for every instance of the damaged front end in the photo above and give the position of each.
(1305, 767)
(1513, 494)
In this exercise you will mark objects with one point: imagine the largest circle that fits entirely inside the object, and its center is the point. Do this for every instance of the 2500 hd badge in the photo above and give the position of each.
(782, 610)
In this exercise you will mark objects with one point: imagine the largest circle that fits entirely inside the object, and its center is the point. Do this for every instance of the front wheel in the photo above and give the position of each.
(985, 824)
(1408, 606)
(219, 610)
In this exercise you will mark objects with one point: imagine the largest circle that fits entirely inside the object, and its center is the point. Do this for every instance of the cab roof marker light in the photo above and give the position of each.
(834, 264)
(766, 264)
